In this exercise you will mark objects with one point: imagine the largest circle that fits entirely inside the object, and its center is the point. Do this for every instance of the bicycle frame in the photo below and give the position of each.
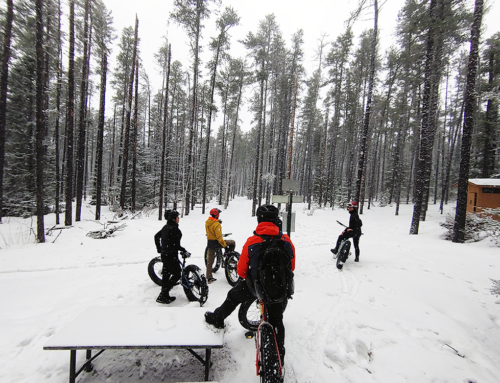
(184, 280)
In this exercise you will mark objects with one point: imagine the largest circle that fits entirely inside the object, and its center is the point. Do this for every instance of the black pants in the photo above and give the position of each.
(241, 293)
(355, 239)
(171, 272)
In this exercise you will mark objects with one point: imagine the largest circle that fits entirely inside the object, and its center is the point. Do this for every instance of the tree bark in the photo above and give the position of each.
(366, 121)
(134, 154)
(127, 120)
(80, 155)
(470, 101)
(100, 135)
(165, 121)
(40, 121)
(70, 117)
(4, 77)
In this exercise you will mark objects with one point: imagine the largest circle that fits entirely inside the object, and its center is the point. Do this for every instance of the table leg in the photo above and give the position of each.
(72, 366)
(88, 366)
(208, 354)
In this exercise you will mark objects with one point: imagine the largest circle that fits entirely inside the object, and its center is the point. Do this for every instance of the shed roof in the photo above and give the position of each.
(485, 181)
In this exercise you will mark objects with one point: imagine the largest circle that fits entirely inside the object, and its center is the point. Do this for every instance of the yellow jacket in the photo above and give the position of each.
(214, 233)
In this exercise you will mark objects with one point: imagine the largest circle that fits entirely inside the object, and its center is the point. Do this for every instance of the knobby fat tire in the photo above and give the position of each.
(155, 270)
(198, 291)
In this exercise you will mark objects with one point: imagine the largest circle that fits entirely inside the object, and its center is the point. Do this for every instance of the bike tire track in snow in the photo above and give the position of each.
(312, 343)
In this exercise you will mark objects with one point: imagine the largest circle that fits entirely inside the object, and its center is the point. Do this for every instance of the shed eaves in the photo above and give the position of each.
(485, 181)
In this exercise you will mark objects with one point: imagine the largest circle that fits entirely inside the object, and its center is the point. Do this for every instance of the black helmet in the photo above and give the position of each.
(267, 213)
(171, 215)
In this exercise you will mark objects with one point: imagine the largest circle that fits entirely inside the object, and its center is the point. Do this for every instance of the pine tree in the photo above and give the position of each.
(4, 79)
(470, 100)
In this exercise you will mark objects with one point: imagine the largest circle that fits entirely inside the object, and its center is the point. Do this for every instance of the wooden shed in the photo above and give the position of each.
(483, 193)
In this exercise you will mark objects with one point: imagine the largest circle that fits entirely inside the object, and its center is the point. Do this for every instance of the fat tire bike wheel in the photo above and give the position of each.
(195, 284)
(230, 268)
(217, 259)
(155, 270)
(343, 254)
(249, 314)
(268, 362)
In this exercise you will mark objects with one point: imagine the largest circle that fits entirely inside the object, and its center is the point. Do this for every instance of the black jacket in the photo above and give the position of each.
(355, 222)
(168, 239)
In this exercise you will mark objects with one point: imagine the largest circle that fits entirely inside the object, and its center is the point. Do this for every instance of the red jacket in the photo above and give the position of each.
(253, 243)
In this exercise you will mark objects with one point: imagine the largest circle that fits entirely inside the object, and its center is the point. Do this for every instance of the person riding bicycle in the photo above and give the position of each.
(215, 240)
(352, 231)
(168, 243)
(268, 221)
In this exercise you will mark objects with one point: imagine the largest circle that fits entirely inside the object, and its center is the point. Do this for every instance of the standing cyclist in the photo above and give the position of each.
(353, 231)
(168, 243)
(215, 240)
(267, 217)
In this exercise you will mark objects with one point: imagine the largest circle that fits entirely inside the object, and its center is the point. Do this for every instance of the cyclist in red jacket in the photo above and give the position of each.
(267, 217)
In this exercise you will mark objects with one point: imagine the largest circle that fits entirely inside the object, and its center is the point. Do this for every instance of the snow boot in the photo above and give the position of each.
(334, 251)
(165, 298)
(215, 321)
(356, 259)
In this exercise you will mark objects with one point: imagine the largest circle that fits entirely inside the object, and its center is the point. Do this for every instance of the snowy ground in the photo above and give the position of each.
(393, 317)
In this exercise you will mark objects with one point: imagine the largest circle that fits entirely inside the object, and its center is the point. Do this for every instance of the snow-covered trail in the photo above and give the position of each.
(387, 318)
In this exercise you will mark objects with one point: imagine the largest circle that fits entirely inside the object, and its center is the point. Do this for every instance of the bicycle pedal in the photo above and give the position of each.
(249, 334)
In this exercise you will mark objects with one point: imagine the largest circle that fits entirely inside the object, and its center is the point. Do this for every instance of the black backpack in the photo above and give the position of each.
(274, 283)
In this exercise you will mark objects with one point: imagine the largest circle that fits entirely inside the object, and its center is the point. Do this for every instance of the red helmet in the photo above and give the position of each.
(352, 204)
(215, 213)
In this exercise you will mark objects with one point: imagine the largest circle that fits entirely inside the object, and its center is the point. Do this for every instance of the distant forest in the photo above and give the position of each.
(401, 126)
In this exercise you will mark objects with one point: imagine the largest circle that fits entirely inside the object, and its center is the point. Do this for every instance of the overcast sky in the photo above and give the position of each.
(315, 17)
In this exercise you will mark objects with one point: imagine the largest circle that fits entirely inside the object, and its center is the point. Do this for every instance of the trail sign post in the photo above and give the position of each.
(290, 186)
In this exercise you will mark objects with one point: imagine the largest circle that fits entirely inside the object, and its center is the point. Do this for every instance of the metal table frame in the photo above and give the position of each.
(87, 365)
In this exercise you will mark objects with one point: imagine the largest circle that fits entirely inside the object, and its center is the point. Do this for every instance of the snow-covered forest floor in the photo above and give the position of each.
(396, 316)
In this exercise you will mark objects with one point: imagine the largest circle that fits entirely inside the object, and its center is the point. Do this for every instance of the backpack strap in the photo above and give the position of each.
(269, 237)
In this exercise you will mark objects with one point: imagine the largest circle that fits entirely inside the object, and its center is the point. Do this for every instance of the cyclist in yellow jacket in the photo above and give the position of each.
(215, 241)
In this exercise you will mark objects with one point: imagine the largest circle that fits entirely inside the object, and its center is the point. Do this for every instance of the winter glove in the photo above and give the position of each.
(185, 254)
(158, 251)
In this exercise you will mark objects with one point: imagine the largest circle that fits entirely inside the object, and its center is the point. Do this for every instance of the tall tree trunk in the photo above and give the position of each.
(192, 124)
(322, 165)
(70, 117)
(470, 101)
(164, 135)
(425, 136)
(40, 121)
(80, 155)
(363, 155)
(134, 154)
(256, 179)
(292, 125)
(127, 120)
(234, 139)
(209, 124)
(111, 194)
(488, 167)
(58, 108)
(100, 134)
(4, 77)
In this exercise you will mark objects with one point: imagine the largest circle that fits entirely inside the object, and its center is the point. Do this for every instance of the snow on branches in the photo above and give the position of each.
(106, 232)
(478, 226)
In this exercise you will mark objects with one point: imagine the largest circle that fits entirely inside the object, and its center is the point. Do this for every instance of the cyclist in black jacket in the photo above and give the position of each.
(353, 231)
(168, 243)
